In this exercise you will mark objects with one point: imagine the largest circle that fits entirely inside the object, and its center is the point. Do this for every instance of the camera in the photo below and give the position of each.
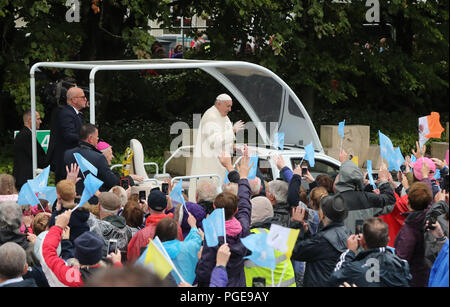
(432, 220)
(112, 246)
(125, 183)
(304, 170)
(358, 227)
(403, 168)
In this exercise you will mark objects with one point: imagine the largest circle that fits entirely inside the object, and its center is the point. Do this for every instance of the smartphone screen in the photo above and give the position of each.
(304, 170)
(358, 226)
(124, 183)
(112, 246)
(165, 188)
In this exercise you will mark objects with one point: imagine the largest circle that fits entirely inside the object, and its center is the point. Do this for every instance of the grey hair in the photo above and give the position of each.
(206, 191)
(279, 189)
(12, 260)
(10, 216)
(255, 185)
(230, 187)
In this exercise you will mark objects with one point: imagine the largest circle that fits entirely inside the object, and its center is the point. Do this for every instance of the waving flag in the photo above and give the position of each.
(27, 196)
(41, 181)
(154, 258)
(177, 193)
(279, 140)
(91, 185)
(49, 194)
(370, 174)
(429, 127)
(397, 160)
(262, 254)
(84, 164)
(387, 150)
(252, 172)
(341, 129)
(309, 154)
(214, 227)
(282, 239)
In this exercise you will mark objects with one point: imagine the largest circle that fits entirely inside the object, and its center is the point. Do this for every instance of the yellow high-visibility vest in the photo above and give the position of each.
(252, 270)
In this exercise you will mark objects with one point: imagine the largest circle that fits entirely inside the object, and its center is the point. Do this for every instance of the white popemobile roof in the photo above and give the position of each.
(269, 101)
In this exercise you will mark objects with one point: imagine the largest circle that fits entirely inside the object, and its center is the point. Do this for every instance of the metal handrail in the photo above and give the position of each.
(195, 176)
(154, 164)
(173, 155)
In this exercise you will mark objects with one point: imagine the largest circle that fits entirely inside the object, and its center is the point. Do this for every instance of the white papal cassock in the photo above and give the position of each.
(214, 136)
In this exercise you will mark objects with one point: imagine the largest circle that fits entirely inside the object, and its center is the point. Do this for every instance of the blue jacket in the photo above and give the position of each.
(184, 255)
(219, 277)
(439, 271)
(235, 266)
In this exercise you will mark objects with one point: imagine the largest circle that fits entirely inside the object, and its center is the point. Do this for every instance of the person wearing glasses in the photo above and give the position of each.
(65, 134)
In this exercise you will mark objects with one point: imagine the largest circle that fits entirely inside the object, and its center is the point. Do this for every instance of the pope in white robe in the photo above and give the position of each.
(215, 134)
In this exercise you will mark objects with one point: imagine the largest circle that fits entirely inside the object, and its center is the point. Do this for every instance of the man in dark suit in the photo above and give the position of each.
(23, 164)
(87, 148)
(65, 132)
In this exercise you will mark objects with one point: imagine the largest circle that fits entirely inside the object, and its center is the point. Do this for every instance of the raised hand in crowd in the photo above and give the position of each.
(63, 219)
(383, 174)
(72, 174)
(425, 170)
(436, 230)
(420, 151)
(223, 255)
(439, 163)
(191, 220)
(353, 242)
(66, 233)
(31, 237)
(279, 161)
(343, 156)
(225, 160)
(115, 257)
(298, 215)
(244, 167)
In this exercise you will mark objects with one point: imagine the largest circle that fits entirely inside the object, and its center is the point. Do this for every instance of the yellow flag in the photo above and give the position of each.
(293, 234)
(355, 160)
(156, 260)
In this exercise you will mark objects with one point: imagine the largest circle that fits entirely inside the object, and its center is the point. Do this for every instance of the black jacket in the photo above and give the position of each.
(23, 164)
(64, 135)
(321, 253)
(376, 267)
(97, 159)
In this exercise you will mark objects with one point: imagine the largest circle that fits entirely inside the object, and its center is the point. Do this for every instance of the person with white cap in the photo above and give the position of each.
(216, 134)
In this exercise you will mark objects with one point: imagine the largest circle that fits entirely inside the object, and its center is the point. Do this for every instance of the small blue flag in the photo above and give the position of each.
(27, 196)
(252, 172)
(262, 254)
(341, 128)
(177, 195)
(226, 180)
(279, 140)
(85, 165)
(214, 227)
(309, 154)
(396, 161)
(49, 194)
(41, 181)
(91, 185)
(370, 174)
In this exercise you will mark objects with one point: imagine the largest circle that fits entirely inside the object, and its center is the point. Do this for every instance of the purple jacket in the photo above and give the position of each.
(235, 266)
(219, 277)
(409, 245)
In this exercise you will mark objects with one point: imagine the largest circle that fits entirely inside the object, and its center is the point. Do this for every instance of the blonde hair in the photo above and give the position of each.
(7, 185)
(66, 191)
(316, 196)
(121, 193)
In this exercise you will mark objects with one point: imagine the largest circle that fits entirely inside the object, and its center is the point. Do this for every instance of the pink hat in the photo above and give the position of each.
(418, 168)
(102, 146)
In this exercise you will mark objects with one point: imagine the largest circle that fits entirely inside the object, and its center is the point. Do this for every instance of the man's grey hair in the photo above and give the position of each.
(206, 191)
(12, 260)
(10, 216)
(255, 185)
(279, 189)
(230, 187)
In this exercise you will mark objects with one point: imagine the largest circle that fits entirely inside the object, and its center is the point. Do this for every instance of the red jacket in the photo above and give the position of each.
(56, 270)
(395, 219)
(140, 239)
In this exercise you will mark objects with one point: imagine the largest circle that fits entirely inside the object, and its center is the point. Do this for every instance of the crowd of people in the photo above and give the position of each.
(351, 233)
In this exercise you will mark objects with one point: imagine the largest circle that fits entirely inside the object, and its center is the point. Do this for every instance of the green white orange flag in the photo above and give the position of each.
(429, 127)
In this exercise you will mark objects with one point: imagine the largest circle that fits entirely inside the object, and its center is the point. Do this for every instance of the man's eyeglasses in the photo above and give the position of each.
(83, 97)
